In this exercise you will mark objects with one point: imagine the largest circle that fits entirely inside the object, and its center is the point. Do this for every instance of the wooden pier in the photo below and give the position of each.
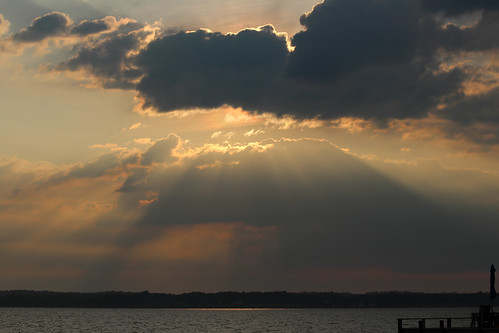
(484, 322)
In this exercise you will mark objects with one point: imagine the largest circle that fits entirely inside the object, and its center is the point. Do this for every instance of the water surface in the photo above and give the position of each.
(214, 320)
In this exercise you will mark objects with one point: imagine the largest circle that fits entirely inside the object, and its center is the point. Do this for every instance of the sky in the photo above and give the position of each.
(215, 145)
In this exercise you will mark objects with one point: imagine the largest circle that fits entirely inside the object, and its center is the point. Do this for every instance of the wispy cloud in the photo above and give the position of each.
(135, 126)
(253, 132)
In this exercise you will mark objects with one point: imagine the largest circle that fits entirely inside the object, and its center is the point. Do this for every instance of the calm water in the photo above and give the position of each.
(226, 320)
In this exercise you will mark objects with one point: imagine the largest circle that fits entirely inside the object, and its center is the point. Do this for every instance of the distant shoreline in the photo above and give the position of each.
(243, 300)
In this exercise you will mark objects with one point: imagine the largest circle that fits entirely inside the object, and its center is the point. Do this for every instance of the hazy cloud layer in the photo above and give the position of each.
(308, 203)
(95, 169)
(242, 214)
(335, 203)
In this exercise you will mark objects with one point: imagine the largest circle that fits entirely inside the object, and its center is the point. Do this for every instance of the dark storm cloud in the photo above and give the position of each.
(459, 7)
(59, 24)
(344, 36)
(372, 59)
(108, 58)
(49, 25)
(479, 37)
(205, 69)
(478, 108)
(90, 27)
(376, 92)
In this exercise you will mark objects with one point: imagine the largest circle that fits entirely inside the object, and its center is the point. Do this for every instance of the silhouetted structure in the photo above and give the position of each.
(485, 320)
(493, 293)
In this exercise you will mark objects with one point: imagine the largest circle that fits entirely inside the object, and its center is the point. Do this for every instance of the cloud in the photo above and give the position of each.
(161, 151)
(85, 27)
(478, 108)
(95, 169)
(478, 37)
(343, 36)
(135, 182)
(274, 206)
(48, 190)
(253, 132)
(459, 7)
(143, 141)
(106, 59)
(49, 25)
(110, 164)
(316, 198)
(109, 146)
(369, 59)
(104, 47)
(202, 69)
(216, 134)
(135, 126)
(57, 24)
(109, 58)
(4, 25)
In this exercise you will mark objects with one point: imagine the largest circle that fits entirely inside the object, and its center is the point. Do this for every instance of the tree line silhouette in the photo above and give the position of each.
(276, 299)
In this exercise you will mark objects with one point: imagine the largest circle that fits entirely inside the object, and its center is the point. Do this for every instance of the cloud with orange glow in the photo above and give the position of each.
(4, 25)
(430, 67)
(352, 148)
(233, 211)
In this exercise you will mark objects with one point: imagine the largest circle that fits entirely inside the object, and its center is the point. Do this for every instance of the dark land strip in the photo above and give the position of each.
(277, 299)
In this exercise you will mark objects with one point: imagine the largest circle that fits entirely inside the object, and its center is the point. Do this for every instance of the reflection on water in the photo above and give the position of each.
(213, 320)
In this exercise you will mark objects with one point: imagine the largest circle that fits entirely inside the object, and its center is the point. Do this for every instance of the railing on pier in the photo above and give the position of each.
(411, 324)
